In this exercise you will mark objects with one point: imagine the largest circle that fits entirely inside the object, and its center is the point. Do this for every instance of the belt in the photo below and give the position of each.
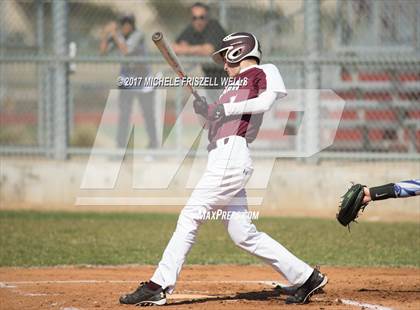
(212, 145)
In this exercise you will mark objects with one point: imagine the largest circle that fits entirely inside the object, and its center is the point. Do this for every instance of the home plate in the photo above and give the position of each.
(188, 296)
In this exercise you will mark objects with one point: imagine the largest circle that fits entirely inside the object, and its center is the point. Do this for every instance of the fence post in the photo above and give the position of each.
(417, 27)
(3, 32)
(60, 136)
(41, 74)
(300, 142)
(312, 75)
(223, 14)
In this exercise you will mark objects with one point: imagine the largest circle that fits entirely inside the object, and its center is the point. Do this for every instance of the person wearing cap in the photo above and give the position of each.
(130, 41)
(233, 122)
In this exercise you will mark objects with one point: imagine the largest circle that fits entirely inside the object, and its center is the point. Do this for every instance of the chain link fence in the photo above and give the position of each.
(54, 82)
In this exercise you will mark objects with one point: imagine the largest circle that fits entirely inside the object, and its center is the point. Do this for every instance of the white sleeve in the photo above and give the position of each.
(274, 80)
(260, 104)
(274, 88)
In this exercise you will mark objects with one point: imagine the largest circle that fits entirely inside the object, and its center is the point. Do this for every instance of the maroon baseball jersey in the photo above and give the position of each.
(259, 78)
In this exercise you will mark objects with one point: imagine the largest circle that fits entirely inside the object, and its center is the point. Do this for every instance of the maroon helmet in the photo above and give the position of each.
(237, 46)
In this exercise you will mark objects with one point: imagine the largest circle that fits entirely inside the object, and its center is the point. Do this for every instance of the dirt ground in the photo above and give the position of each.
(206, 287)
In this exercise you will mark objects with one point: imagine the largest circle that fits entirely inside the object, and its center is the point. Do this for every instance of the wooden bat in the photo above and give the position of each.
(170, 56)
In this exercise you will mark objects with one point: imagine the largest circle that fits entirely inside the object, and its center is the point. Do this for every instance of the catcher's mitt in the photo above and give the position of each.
(351, 204)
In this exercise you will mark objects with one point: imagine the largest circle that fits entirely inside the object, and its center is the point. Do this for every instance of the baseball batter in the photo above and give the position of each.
(233, 122)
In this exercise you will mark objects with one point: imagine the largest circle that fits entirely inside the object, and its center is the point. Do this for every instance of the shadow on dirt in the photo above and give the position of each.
(262, 295)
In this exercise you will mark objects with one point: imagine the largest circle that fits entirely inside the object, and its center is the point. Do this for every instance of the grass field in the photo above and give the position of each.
(29, 238)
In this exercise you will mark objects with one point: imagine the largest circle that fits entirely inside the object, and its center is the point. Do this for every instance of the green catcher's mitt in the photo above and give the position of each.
(351, 204)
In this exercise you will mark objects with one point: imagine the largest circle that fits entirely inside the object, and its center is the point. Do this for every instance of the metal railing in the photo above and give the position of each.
(42, 125)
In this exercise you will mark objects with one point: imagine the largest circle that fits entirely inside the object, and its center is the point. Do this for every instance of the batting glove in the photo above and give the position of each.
(200, 106)
(218, 113)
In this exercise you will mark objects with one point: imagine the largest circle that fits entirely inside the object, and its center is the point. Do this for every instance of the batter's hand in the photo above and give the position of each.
(218, 113)
(200, 106)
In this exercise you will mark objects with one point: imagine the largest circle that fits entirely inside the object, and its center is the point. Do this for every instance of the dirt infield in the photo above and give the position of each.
(205, 287)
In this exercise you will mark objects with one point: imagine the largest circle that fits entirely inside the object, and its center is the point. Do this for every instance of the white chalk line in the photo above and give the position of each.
(37, 294)
(172, 296)
(363, 305)
(11, 284)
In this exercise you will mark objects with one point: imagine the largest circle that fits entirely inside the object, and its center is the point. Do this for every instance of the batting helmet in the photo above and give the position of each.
(236, 47)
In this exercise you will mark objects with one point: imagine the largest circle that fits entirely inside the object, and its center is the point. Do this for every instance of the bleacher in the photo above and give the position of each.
(382, 101)
(382, 110)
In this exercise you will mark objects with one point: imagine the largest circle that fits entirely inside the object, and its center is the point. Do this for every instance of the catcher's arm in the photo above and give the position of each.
(401, 189)
(358, 196)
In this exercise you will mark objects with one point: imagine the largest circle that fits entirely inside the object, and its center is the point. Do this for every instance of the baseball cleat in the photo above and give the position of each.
(144, 296)
(315, 282)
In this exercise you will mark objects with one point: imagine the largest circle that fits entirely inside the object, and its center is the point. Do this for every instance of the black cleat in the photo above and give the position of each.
(143, 296)
(315, 282)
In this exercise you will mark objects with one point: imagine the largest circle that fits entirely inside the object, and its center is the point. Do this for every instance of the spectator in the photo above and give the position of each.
(129, 41)
(201, 38)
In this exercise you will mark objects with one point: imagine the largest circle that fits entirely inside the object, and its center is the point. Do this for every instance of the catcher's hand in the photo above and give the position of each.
(201, 107)
(351, 204)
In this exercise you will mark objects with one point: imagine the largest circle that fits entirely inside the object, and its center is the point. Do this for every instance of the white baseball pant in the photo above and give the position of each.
(222, 186)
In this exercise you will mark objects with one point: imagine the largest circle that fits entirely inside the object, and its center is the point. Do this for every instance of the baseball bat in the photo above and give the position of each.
(171, 58)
